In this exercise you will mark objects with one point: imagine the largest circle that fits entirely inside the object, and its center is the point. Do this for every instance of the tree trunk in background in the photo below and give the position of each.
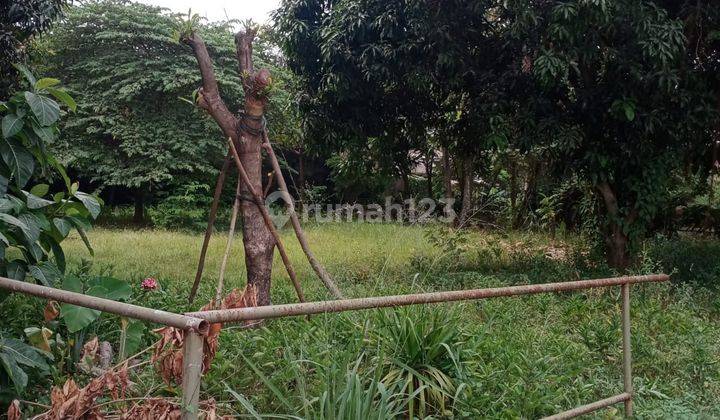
(513, 168)
(429, 160)
(617, 242)
(618, 256)
(301, 172)
(467, 182)
(447, 174)
(139, 214)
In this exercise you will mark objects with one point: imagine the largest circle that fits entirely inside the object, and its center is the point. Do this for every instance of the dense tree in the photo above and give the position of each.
(20, 20)
(133, 129)
(622, 89)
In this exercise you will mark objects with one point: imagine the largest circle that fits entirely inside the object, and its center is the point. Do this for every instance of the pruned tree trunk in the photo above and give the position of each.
(616, 241)
(246, 133)
(467, 183)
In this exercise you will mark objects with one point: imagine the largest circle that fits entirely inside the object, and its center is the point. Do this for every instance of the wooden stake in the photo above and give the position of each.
(211, 222)
(268, 221)
(228, 247)
(290, 204)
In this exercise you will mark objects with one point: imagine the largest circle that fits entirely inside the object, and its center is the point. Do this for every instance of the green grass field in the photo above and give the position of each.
(516, 357)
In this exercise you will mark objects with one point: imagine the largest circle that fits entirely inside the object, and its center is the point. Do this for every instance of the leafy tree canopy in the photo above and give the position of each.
(134, 129)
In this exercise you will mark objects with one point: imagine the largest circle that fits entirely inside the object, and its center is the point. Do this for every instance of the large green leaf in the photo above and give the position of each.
(91, 203)
(45, 109)
(46, 82)
(26, 73)
(34, 202)
(45, 272)
(11, 125)
(20, 224)
(109, 288)
(24, 354)
(63, 226)
(17, 376)
(76, 317)
(63, 97)
(133, 336)
(18, 159)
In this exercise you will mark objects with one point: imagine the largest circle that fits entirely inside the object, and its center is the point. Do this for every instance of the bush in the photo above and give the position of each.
(688, 260)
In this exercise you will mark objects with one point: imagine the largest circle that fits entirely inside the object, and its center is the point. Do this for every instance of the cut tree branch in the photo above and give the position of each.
(209, 95)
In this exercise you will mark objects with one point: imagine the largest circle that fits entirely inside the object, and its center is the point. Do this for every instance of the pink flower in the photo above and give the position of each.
(149, 284)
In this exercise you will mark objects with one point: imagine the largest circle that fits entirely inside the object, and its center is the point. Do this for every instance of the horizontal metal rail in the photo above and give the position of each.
(106, 305)
(295, 309)
(589, 408)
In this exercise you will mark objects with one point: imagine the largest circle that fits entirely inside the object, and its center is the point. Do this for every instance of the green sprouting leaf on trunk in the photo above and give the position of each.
(46, 82)
(45, 109)
(18, 159)
(91, 203)
(11, 125)
(63, 97)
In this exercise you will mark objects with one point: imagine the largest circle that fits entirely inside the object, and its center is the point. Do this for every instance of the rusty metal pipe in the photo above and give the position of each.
(588, 408)
(184, 322)
(294, 309)
(626, 350)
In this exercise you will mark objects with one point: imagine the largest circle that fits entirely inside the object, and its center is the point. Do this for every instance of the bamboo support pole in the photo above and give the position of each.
(268, 221)
(589, 408)
(290, 204)
(295, 309)
(106, 305)
(211, 223)
(192, 375)
(228, 247)
(626, 346)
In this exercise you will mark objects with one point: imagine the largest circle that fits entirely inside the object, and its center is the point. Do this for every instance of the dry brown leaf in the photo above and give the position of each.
(14, 412)
(52, 310)
(168, 352)
(162, 409)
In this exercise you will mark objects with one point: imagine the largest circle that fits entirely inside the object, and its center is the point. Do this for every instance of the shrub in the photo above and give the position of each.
(424, 350)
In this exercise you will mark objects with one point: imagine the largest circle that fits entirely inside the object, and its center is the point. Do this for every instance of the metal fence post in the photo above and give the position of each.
(192, 373)
(627, 357)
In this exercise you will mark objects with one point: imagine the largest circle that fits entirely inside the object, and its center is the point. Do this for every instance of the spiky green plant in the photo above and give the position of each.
(424, 348)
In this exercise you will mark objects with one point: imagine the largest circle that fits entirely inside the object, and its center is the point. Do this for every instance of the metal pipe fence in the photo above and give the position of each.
(197, 323)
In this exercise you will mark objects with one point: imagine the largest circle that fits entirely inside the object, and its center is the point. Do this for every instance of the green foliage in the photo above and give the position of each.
(133, 129)
(20, 20)
(425, 351)
(15, 358)
(77, 318)
(35, 222)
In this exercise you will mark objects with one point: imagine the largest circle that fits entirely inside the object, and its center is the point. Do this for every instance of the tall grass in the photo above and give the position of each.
(516, 357)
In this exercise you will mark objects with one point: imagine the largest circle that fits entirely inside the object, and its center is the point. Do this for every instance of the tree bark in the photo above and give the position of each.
(467, 183)
(616, 241)
(429, 160)
(139, 213)
(447, 174)
(246, 134)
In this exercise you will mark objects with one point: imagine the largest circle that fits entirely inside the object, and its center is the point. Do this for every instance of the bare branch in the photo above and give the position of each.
(209, 95)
